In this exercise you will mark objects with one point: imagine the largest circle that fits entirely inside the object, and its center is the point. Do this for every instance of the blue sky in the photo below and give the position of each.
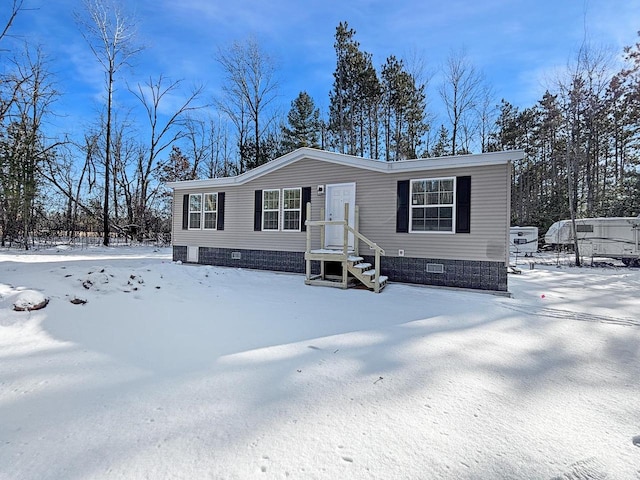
(518, 44)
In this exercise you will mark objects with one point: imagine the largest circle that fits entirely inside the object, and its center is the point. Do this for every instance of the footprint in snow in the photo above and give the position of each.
(344, 457)
(589, 469)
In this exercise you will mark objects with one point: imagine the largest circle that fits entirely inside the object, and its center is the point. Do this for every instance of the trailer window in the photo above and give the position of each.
(584, 228)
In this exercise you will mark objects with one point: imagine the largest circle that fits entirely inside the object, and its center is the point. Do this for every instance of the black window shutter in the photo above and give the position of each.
(306, 198)
(463, 205)
(257, 213)
(185, 212)
(402, 209)
(220, 220)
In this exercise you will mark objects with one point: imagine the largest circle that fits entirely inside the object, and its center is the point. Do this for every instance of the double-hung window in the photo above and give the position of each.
(291, 208)
(282, 209)
(432, 205)
(203, 205)
(210, 211)
(195, 211)
(270, 210)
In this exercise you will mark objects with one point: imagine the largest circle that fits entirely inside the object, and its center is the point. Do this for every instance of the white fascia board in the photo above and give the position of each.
(421, 164)
(458, 161)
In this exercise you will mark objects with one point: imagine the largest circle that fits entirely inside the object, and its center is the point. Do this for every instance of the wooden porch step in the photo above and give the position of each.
(331, 251)
(372, 273)
(362, 265)
(368, 277)
(383, 280)
(354, 267)
(327, 256)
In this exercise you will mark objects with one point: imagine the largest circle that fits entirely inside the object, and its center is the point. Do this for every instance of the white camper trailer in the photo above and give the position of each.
(559, 235)
(610, 237)
(523, 240)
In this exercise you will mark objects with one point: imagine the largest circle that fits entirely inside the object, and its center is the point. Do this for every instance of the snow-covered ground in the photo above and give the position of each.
(159, 370)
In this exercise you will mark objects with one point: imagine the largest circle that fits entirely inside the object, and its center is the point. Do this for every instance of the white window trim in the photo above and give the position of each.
(193, 211)
(299, 209)
(204, 212)
(452, 205)
(271, 209)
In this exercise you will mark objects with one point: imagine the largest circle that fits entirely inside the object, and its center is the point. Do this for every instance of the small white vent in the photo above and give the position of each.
(435, 268)
(236, 255)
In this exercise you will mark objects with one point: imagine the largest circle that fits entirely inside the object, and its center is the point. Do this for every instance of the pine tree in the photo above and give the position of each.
(177, 167)
(303, 128)
(443, 144)
(403, 107)
(271, 147)
(340, 98)
(550, 147)
(354, 91)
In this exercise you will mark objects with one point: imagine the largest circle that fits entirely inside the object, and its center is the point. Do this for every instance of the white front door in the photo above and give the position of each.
(336, 197)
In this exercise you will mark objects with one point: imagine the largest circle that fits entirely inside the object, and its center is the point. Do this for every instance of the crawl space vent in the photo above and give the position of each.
(435, 268)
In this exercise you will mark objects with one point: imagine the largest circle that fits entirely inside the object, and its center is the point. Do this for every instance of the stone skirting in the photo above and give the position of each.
(242, 258)
(455, 273)
(180, 254)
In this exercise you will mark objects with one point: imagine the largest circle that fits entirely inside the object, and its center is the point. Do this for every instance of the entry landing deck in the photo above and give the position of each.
(353, 265)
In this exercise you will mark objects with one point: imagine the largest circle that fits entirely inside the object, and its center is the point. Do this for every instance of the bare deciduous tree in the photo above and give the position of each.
(164, 131)
(250, 87)
(487, 114)
(68, 175)
(24, 147)
(14, 9)
(582, 93)
(9, 85)
(110, 34)
(219, 161)
(460, 92)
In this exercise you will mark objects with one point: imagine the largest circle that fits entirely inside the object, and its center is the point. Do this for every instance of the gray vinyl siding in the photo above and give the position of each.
(376, 197)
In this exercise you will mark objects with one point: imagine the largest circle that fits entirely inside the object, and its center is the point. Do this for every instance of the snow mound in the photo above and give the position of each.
(30, 300)
(100, 280)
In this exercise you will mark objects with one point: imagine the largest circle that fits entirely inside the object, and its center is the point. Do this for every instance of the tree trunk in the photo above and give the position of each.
(107, 161)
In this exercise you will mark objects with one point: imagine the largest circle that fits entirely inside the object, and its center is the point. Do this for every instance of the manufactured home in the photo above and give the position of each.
(523, 240)
(608, 237)
(437, 221)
